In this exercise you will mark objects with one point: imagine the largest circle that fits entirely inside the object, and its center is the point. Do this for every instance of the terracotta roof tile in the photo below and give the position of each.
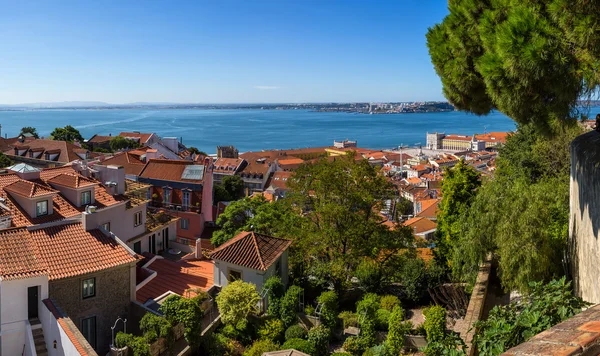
(72, 180)
(58, 251)
(280, 179)
(142, 136)
(130, 161)
(169, 170)
(251, 250)
(67, 152)
(420, 224)
(99, 139)
(176, 277)
(28, 189)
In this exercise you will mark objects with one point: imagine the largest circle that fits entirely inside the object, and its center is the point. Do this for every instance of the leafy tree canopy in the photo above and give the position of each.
(67, 133)
(194, 150)
(30, 130)
(236, 302)
(532, 59)
(121, 143)
(231, 188)
(5, 161)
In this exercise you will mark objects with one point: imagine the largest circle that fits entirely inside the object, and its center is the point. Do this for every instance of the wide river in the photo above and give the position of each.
(253, 130)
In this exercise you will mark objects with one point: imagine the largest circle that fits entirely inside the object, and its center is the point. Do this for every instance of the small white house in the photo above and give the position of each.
(252, 258)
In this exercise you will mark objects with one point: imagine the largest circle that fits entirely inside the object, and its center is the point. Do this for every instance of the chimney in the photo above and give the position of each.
(114, 178)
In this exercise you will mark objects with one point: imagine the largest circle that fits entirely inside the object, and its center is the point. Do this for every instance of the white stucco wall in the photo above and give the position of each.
(14, 313)
(121, 220)
(255, 277)
(145, 239)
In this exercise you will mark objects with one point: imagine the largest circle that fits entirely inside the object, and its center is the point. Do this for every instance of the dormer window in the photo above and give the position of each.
(86, 197)
(41, 208)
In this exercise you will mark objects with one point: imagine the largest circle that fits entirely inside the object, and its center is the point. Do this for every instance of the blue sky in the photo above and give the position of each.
(217, 51)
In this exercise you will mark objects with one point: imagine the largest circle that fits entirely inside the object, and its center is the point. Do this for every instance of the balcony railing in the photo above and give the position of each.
(175, 207)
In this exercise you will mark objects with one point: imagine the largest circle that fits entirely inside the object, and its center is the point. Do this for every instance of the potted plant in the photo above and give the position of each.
(121, 346)
(198, 208)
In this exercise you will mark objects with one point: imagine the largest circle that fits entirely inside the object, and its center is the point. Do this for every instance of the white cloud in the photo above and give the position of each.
(266, 87)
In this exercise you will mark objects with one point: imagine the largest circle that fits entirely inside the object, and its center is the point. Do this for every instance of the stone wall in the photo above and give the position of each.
(476, 306)
(584, 222)
(112, 300)
(579, 335)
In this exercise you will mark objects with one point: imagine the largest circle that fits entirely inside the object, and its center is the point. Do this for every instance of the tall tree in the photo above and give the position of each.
(30, 130)
(532, 60)
(67, 133)
(458, 191)
(231, 188)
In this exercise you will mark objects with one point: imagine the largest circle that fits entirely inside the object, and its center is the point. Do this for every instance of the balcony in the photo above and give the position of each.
(174, 207)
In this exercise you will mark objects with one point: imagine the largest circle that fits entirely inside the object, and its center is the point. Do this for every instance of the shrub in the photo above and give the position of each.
(379, 350)
(139, 346)
(388, 302)
(450, 344)
(289, 305)
(354, 345)
(366, 309)
(295, 332)
(309, 310)
(122, 339)
(382, 319)
(299, 345)
(261, 346)
(271, 330)
(236, 302)
(276, 291)
(435, 323)
(348, 318)
(329, 308)
(219, 344)
(414, 279)
(369, 276)
(319, 339)
(154, 326)
(397, 329)
(341, 354)
(187, 311)
(244, 336)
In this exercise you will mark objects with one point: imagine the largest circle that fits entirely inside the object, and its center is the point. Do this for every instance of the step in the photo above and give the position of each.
(40, 348)
(35, 324)
(39, 340)
(37, 332)
(42, 353)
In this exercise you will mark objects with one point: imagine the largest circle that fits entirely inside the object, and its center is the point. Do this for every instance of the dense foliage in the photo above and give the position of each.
(435, 322)
(67, 133)
(30, 130)
(5, 161)
(527, 200)
(532, 60)
(236, 302)
(300, 345)
(289, 305)
(197, 152)
(187, 311)
(118, 143)
(295, 332)
(366, 309)
(329, 308)
(275, 291)
(510, 325)
(261, 346)
(272, 329)
(231, 188)
(397, 328)
(319, 337)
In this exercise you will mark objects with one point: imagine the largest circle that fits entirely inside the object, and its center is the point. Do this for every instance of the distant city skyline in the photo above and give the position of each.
(218, 52)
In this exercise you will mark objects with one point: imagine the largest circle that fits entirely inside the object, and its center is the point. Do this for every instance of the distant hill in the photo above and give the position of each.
(63, 104)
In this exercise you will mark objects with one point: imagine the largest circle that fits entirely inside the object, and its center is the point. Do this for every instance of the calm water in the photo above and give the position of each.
(251, 130)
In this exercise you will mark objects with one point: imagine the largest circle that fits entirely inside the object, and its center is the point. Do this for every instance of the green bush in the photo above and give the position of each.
(435, 323)
(449, 345)
(396, 330)
(139, 346)
(244, 336)
(187, 311)
(414, 279)
(319, 339)
(289, 306)
(388, 302)
(276, 291)
(379, 350)
(382, 319)
(261, 346)
(510, 325)
(309, 310)
(236, 302)
(369, 276)
(348, 319)
(219, 344)
(299, 345)
(271, 330)
(154, 326)
(122, 339)
(341, 354)
(295, 332)
(329, 308)
(366, 309)
(354, 345)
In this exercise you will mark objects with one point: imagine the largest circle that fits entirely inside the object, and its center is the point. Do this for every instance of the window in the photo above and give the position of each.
(89, 288)
(106, 226)
(185, 223)
(137, 247)
(167, 196)
(186, 199)
(137, 219)
(88, 329)
(86, 197)
(234, 275)
(41, 208)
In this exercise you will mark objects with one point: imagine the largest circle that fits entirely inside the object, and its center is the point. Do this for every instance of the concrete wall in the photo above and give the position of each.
(114, 294)
(120, 218)
(584, 222)
(13, 311)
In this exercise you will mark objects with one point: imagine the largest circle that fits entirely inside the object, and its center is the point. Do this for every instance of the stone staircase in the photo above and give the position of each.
(38, 337)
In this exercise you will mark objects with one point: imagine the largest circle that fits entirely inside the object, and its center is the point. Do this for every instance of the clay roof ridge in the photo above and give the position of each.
(260, 259)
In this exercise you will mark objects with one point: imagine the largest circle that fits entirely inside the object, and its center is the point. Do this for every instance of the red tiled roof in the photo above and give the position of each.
(142, 136)
(164, 169)
(227, 165)
(59, 251)
(429, 208)
(419, 168)
(72, 180)
(28, 189)
(128, 160)
(251, 250)
(420, 224)
(176, 277)
(499, 137)
(279, 179)
(19, 256)
(67, 152)
(458, 138)
(99, 139)
(68, 250)
(414, 180)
